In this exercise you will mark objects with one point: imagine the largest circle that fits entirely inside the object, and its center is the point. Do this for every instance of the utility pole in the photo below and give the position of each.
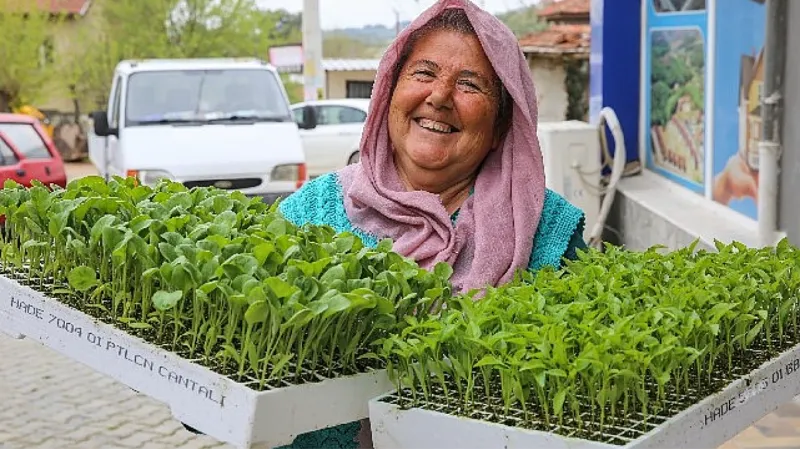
(313, 73)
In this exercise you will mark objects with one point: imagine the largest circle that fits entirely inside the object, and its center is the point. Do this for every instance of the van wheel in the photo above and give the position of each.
(353, 158)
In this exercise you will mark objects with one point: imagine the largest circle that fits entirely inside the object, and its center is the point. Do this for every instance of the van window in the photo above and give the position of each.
(115, 107)
(195, 94)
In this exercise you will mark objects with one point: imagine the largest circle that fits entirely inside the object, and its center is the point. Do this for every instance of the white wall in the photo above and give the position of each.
(336, 81)
(549, 78)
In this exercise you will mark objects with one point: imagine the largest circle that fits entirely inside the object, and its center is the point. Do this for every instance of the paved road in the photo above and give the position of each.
(79, 169)
(48, 401)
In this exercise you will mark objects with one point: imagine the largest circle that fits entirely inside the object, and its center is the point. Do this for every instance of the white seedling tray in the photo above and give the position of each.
(209, 402)
(708, 424)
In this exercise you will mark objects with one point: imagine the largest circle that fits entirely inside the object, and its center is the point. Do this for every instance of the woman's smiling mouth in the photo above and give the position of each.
(435, 126)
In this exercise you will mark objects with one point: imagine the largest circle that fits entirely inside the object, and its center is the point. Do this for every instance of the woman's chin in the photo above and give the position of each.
(429, 167)
(430, 159)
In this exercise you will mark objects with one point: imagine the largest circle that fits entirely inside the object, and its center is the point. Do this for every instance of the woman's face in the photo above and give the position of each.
(443, 109)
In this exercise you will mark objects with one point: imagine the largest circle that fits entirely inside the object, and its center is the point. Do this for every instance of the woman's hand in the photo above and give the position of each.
(736, 180)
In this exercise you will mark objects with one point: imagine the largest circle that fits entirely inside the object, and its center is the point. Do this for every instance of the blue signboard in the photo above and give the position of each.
(702, 68)
(738, 80)
(675, 73)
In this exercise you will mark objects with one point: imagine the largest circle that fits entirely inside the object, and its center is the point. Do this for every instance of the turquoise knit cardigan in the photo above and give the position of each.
(320, 202)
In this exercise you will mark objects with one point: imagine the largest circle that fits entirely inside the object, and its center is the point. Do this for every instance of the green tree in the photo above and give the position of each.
(523, 21)
(139, 29)
(182, 28)
(88, 73)
(26, 59)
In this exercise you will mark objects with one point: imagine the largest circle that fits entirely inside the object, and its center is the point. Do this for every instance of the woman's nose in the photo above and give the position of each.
(441, 96)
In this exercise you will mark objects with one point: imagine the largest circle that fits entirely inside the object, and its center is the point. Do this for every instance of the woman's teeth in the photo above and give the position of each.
(435, 126)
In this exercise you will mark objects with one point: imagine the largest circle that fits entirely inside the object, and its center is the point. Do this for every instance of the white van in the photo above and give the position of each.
(202, 122)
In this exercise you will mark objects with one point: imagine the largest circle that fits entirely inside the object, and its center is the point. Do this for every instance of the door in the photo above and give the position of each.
(329, 146)
(103, 150)
(9, 162)
(114, 156)
(34, 154)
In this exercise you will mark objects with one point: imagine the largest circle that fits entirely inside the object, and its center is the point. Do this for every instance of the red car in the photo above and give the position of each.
(27, 153)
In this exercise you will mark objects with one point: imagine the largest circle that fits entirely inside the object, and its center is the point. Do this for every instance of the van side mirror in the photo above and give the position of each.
(101, 127)
(309, 118)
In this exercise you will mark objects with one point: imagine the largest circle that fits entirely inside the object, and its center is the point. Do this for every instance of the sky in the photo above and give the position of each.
(357, 13)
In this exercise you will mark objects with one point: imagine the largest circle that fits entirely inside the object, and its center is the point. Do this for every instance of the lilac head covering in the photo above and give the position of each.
(494, 233)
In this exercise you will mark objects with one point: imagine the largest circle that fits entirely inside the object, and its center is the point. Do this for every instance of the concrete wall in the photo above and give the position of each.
(336, 82)
(650, 210)
(789, 212)
(549, 77)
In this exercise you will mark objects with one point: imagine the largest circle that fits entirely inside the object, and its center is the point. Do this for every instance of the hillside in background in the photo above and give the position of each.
(370, 41)
(370, 34)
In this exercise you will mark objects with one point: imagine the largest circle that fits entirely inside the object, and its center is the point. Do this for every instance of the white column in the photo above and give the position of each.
(313, 73)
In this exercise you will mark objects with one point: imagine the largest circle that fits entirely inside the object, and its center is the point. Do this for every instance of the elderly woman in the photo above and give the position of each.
(450, 164)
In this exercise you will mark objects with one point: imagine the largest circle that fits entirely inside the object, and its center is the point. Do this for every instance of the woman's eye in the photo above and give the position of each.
(469, 85)
(424, 73)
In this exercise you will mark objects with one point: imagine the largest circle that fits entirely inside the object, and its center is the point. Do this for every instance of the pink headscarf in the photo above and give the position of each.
(493, 236)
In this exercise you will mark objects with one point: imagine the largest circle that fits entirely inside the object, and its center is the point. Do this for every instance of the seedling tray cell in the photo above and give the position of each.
(746, 397)
(230, 411)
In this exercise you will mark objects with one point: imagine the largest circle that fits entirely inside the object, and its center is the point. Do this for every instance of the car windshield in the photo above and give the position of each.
(204, 96)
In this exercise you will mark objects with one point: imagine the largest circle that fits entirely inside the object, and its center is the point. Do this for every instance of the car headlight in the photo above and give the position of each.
(295, 173)
(150, 177)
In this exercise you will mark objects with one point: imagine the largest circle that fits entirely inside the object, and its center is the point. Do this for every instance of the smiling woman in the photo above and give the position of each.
(450, 165)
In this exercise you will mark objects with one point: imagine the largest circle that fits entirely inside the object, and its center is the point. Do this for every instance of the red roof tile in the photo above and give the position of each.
(559, 39)
(565, 7)
(65, 6)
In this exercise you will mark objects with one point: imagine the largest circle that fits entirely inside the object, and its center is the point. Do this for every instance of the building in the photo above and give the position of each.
(349, 78)
(566, 12)
(647, 61)
(558, 59)
(343, 78)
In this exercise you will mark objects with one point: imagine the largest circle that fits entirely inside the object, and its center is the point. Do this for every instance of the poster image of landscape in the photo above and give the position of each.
(677, 102)
(678, 6)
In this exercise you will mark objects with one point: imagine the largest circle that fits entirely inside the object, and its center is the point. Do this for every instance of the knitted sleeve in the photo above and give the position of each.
(560, 232)
(320, 202)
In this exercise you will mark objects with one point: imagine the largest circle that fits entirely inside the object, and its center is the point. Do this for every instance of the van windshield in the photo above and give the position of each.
(204, 96)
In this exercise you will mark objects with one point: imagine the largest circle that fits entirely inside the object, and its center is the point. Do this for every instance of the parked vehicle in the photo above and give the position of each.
(27, 153)
(30, 110)
(202, 122)
(334, 140)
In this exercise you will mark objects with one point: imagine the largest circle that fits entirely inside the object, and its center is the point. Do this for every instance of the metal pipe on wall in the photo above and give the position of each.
(769, 148)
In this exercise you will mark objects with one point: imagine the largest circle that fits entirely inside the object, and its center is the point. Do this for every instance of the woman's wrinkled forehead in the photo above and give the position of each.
(451, 19)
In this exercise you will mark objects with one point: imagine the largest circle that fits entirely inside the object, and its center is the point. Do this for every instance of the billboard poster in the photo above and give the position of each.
(738, 81)
(675, 69)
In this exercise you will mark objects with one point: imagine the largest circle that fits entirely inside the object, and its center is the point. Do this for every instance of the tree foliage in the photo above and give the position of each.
(523, 20)
(131, 29)
(26, 61)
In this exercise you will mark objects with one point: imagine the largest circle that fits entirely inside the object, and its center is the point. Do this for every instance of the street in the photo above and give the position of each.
(51, 402)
